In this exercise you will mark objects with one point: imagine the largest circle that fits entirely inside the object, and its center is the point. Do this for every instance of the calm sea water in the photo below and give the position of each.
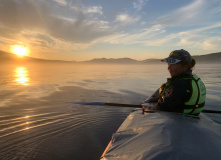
(36, 123)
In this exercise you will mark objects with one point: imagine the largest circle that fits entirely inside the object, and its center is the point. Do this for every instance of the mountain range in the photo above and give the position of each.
(9, 57)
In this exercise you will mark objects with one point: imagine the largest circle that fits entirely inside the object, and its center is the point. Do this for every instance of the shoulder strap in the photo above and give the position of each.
(198, 96)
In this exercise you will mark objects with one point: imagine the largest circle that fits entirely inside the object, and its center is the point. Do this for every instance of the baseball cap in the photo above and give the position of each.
(177, 56)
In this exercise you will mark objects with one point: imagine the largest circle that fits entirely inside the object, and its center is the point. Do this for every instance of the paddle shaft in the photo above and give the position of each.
(140, 106)
(129, 105)
(124, 105)
(211, 111)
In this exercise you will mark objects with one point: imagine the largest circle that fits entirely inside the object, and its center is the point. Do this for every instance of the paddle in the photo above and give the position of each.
(107, 104)
(128, 105)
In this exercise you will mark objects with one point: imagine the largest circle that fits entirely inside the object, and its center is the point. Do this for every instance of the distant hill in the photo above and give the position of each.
(112, 60)
(152, 60)
(208, 58)
(9, 57)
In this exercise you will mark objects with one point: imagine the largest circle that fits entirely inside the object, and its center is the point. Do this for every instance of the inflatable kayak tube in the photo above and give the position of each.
(165, 136)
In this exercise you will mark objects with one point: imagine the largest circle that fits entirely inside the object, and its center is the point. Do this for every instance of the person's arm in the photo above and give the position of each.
(151, 101)
(153, 98)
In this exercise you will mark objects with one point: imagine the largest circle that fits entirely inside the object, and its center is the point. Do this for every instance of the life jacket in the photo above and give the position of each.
(194, 105)
(198, 96)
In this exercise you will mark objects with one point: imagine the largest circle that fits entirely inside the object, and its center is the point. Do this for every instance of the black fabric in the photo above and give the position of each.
(175, 92)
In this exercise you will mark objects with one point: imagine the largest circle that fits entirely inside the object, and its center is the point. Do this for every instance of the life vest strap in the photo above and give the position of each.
(194, 106)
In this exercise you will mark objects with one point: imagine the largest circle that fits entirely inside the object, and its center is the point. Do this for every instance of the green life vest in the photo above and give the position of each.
(197, 100)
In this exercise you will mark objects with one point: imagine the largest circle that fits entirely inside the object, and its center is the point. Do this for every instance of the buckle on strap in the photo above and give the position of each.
(194, 106)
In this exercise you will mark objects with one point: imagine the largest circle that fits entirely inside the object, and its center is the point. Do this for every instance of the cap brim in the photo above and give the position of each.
(170, 60)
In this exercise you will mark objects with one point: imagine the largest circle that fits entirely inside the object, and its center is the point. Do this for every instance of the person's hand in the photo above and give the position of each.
(154, 107)
(149, 106)
(146, 108)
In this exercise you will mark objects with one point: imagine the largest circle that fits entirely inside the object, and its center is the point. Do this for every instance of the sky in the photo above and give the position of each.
(86, 29)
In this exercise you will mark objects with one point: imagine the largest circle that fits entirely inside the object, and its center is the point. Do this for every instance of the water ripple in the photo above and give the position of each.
(21, 136)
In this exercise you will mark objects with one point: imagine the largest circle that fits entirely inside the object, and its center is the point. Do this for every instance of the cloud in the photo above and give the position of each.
(19, 14)
(140, 37)
(95, 9)
(61, 2)
(200, 37)
(158, 35)
(212, 43)
(78, 30)
(138, 5)
(182, 16)
(126, 19)
(198, 12)
(72, 26)
(193, 38)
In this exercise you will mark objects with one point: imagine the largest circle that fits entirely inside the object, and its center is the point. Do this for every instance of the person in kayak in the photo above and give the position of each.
(183, 92)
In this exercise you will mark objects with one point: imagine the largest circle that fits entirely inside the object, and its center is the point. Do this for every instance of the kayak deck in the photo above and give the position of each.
(165, 135)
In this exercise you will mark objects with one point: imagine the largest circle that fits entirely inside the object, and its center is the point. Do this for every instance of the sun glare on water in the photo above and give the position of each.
(21, 76)
(20, 50)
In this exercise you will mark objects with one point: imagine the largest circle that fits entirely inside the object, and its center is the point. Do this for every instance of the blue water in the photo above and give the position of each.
(36, 123)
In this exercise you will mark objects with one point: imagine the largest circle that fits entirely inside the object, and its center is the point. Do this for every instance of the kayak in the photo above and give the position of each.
(163, 135)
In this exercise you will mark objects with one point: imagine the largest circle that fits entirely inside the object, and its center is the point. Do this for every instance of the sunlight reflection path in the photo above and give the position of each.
(21, 76)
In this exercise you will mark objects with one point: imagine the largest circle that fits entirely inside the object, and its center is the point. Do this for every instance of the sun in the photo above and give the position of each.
(20, 50)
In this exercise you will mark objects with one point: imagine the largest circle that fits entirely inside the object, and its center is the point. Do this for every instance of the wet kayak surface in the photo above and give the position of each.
(165, 135)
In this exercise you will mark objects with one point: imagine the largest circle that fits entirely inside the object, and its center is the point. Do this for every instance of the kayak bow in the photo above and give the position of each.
(165, 136)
